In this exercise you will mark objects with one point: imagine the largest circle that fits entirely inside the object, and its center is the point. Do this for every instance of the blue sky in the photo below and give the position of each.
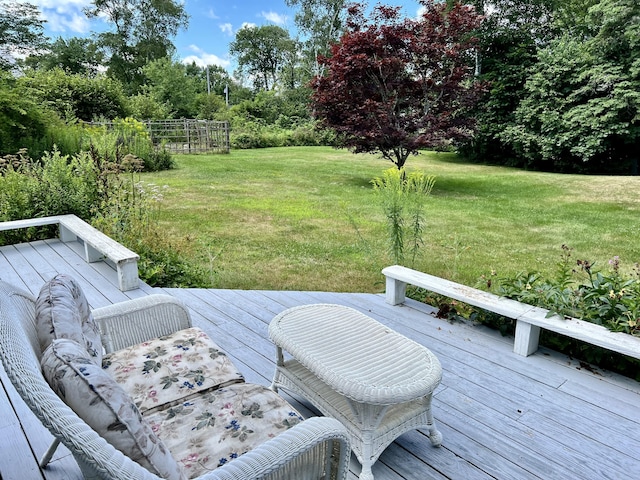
(212, 25)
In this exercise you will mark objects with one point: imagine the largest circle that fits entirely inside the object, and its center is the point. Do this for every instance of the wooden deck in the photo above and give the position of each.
(503, 416)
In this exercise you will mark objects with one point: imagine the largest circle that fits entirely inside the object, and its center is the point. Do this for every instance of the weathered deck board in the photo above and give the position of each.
(502, 416)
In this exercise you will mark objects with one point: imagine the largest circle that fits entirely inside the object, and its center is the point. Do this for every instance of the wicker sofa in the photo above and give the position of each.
(134, 391)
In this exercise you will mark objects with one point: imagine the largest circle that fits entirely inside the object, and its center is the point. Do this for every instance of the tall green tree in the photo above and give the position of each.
(262, 53)
(509, 39)
(618, 36)
(22, 117)
(321, 23)
(169, 83)
(73, 55)
(143, 32)
(21, 31)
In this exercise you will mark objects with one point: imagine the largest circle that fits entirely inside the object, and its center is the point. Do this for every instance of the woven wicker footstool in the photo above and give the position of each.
(375, 381)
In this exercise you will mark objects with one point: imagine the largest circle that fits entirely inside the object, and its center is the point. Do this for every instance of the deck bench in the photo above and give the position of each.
(529, 319)
(97, 245)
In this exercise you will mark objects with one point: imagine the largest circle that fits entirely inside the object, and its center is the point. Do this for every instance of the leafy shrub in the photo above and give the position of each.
(57, 184)
(102, 188)
(248, 135)
(579, 290)
(23, 120)
(147, 106)
(610, 298)
(78, 96)
(127, 136)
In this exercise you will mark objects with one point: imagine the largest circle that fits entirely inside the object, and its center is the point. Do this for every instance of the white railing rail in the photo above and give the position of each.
(529, 319)
(97, 245)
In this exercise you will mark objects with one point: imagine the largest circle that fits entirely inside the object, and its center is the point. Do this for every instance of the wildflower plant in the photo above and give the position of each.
(579, 289)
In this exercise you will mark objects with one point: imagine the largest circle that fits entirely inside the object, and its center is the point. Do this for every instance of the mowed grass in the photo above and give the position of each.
(307, 218)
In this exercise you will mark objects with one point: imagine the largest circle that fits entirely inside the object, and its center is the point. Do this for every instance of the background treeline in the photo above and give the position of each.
(564, 79)
(565, 85)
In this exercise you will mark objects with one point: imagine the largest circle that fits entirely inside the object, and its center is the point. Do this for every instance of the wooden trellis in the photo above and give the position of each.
(186, 135)
(190, 136)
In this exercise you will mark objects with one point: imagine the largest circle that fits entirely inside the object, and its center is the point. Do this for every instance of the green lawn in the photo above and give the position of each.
(307, 218)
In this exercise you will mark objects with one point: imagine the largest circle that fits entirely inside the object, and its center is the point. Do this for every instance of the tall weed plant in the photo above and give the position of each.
(403, 197)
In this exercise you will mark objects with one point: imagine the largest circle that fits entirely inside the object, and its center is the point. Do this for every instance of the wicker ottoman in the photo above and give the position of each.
(375, 381)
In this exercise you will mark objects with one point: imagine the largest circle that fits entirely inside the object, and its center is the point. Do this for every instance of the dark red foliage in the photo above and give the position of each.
(397, 85)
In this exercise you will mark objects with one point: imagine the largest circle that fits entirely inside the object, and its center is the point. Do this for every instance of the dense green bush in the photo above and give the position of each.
(269, 107)
(55, 185)
(146, 105)
(255, 134)
(273, 119)
(76, 96)
(104, 189)
(23, 121)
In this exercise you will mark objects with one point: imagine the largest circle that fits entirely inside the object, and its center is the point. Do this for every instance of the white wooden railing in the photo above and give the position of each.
(97, 245)
(529, 319)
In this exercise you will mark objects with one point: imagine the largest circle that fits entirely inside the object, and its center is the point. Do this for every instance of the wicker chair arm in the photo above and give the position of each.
(315, 448)
(134, 321)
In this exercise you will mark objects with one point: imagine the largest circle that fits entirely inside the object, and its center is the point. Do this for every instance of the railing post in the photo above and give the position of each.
(527, 338)
(395, 291)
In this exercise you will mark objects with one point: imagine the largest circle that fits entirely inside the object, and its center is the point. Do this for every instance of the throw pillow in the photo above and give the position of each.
(96, 398)
(62, 311)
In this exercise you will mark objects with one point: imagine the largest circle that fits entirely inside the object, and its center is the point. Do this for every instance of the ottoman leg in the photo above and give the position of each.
(367, 460)
(366, 473)
(434, 434)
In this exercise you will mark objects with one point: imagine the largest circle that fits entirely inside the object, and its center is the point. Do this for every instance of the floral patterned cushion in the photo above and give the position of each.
(62, 311)
(212, 429)
(104, 405)
(165, 371)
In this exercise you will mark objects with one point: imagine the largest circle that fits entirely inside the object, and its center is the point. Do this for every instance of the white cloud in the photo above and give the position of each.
(202, 58)
(226, 28)
(275, 17)
(63, 15)
(212, 14)
(247, 25)
(76, 23)
(62, 5)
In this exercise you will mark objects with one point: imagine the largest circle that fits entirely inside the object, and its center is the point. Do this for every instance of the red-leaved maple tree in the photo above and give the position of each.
(395, 85)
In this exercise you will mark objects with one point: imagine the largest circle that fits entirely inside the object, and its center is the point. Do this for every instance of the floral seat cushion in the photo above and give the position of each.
(62, 311)
(213, 428)
(96, 398)
(165, 371)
